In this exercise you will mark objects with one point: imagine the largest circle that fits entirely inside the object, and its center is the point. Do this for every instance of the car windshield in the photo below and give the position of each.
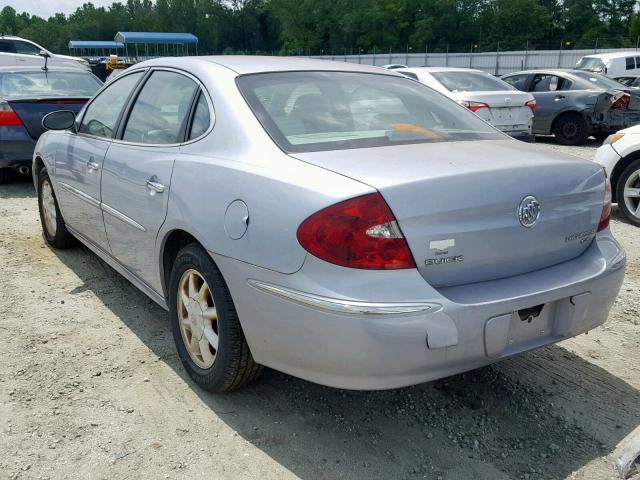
(590, 64)
(600, 81)
(314, 111)
(470, 82)
(40, 84)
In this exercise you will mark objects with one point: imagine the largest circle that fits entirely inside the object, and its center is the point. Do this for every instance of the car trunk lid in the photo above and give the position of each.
(31, 111)
(507, 110)
(457, 204)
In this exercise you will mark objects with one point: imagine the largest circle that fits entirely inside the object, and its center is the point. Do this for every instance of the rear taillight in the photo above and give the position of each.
(605, 217)
(473, 106)
(361, 232)
(622, 102)
(8, 117)
(532, 105)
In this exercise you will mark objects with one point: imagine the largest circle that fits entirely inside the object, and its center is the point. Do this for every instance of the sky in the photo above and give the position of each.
(47, 8)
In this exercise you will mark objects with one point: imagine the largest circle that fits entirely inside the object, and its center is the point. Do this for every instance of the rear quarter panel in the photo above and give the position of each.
(238, 161)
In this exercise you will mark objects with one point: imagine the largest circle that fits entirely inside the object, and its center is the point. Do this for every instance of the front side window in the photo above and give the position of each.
(470, 82)
(339, 110)
(159, 112)
(52, 84)
(27, 48)
(102, 114)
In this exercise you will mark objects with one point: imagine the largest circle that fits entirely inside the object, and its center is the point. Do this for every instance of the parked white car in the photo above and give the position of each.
(25, 53)
(492, 99)
(612, 65)
(620, 156)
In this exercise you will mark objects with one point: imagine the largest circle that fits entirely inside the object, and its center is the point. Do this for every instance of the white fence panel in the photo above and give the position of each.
(498, 63)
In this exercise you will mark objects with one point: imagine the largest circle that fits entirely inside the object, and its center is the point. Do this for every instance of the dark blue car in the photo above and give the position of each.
(26, 95)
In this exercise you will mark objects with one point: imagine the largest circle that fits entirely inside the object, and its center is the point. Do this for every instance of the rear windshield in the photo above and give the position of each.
(590, 64)
(314, 111)
(40, 84)
(470, 82)
(599, 81)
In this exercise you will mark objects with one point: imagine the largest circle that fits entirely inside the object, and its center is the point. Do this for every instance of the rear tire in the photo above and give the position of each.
(629, 205)
(571, 129)
(201, 310)
(54, 230)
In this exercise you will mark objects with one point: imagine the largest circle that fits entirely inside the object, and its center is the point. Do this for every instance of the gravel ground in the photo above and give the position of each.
(91, 387)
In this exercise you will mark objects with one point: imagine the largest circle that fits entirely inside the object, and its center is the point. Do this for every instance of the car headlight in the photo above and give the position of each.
(612, 138)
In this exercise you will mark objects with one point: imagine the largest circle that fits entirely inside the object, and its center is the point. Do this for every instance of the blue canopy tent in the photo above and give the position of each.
(171, 43)
(80, 47)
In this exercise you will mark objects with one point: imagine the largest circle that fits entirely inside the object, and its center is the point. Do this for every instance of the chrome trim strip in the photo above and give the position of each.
(335, 305)
(121, 216)
(81, 195)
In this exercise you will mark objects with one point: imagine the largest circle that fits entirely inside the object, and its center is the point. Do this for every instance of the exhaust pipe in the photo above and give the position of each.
(24, 169)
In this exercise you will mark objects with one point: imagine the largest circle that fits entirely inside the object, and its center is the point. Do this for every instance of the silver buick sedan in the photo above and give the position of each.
(340, 223)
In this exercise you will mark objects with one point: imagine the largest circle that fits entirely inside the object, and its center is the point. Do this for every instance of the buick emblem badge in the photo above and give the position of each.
(529, 211)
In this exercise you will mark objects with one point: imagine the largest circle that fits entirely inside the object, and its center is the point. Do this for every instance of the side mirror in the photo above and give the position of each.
(60, 120)
(44, 53)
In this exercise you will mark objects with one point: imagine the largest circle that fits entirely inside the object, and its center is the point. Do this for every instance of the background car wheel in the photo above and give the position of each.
(205, 325)
(571, 129)
(628, 192)
(53, 227)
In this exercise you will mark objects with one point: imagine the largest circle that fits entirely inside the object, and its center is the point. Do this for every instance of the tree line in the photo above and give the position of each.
(340, 27)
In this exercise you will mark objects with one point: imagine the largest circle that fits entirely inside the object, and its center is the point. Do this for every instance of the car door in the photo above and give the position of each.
(551, 98)
(79, 160)
(137, 170)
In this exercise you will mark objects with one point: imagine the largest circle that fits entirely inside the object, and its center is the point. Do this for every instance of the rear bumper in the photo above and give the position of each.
(338, 326)
(16, 147)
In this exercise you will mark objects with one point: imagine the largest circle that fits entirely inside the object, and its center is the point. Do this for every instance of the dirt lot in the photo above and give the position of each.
(91, 387)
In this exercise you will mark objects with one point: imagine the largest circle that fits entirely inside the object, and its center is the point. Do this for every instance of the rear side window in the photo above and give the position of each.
(7, 46)
(517, 81)
(102, 114)
(201, 118)
(550, 83)
(159, 113)
(630, 62)
(322, 110)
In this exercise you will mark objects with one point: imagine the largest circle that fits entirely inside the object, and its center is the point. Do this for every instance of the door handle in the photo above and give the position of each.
(91, 165)
(558, 97)
(154, 186)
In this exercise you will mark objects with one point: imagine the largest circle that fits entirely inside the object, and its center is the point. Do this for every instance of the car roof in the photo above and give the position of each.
(551, 71)
(247, 64)
(50, 68)
(443, 69)
(612, 55)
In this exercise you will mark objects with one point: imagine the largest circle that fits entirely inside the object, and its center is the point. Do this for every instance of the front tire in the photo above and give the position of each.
(54, 229)
(205, 325)
(571, 129)
(628, 192)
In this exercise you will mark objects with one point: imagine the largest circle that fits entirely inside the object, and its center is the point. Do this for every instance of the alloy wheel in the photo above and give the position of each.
(49, 208)
(632, 194)
(198, 318)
